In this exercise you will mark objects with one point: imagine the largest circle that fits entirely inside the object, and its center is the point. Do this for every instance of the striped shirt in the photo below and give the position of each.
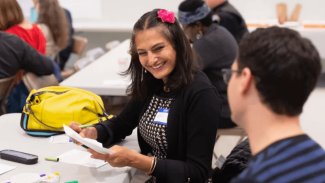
(296, 159)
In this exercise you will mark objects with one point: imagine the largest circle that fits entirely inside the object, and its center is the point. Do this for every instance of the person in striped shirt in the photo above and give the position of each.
(275, 71)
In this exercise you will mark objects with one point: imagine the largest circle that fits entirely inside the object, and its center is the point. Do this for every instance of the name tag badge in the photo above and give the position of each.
(161, 117)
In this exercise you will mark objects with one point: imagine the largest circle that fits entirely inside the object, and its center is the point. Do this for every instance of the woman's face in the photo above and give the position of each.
(156, 53)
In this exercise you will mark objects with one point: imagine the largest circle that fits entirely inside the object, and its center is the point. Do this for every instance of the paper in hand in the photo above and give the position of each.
(83, 158)
(92, 144)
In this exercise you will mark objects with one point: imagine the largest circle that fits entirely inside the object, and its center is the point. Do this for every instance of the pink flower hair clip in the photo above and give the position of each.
(166, 16)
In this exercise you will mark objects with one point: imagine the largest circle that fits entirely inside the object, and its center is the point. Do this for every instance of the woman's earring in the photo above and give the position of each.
(145, 71)
(199, 35)
(142, 74)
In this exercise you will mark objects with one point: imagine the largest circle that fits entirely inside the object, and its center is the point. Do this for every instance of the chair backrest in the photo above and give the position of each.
(110, 45)
(82, 63)
(235, 131)
(95, 53)
(91, 56)
(79, 44)
(6, 85)
(33, 81)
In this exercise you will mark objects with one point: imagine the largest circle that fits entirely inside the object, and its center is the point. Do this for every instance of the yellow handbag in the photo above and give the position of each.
(47, 109)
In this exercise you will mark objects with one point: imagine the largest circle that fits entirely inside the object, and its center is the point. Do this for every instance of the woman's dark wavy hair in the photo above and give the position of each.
(186, 64)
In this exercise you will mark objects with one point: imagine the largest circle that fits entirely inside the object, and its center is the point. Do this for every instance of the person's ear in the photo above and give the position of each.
(246, 80)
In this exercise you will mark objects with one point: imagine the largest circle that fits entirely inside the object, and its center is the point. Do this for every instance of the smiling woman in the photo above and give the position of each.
(173, 104)
(155, 47)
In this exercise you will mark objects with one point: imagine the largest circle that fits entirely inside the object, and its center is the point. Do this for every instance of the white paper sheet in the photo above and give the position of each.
(93, 144)
(5, 168)
(60, 139)
(80, 158)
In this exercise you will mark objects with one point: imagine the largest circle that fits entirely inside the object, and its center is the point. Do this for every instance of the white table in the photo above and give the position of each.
(13, 137)
(97, 76)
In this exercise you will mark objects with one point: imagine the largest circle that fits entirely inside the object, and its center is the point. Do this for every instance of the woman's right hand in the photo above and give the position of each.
(89, 132)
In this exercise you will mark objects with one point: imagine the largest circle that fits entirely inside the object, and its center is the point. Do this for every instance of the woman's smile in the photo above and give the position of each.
(159, 67)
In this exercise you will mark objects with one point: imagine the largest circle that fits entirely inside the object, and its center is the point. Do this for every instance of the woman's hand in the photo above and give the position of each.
(89, 132)
(122, 157)
(119, 158)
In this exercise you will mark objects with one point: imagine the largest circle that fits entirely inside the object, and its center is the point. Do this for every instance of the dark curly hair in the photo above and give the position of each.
(286, 67)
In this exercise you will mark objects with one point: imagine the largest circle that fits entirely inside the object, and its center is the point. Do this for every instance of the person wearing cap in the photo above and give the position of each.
(215, 46)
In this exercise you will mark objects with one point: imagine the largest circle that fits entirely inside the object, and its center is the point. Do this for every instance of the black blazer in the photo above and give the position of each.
(192, 125)
(16, 54)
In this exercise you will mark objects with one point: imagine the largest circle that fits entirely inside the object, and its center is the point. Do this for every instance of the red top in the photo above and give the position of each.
(33, 36)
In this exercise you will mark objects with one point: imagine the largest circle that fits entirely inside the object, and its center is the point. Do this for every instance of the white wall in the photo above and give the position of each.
(122, 14)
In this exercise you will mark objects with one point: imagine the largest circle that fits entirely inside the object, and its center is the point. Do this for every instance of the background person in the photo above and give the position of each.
(271, 79)
(228, 17)
(12, 21)
(16, 54)
(165, 79)
(54, 24)
(65, 54)
(214, 44)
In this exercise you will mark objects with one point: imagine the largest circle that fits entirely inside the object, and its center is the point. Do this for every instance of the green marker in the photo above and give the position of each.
(52, 159)
(72, 182)
(84, 126)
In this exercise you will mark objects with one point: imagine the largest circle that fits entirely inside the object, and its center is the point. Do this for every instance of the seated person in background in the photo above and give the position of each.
(16, 54)
(54, 24)
(215, 45)
(228, 17)
(12, 21)
(235, 163)
(65, 54)
(165, 79)
(270, 81)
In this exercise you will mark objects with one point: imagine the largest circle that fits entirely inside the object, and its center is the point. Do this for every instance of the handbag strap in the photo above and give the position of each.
(31, 112)
(40, 93)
